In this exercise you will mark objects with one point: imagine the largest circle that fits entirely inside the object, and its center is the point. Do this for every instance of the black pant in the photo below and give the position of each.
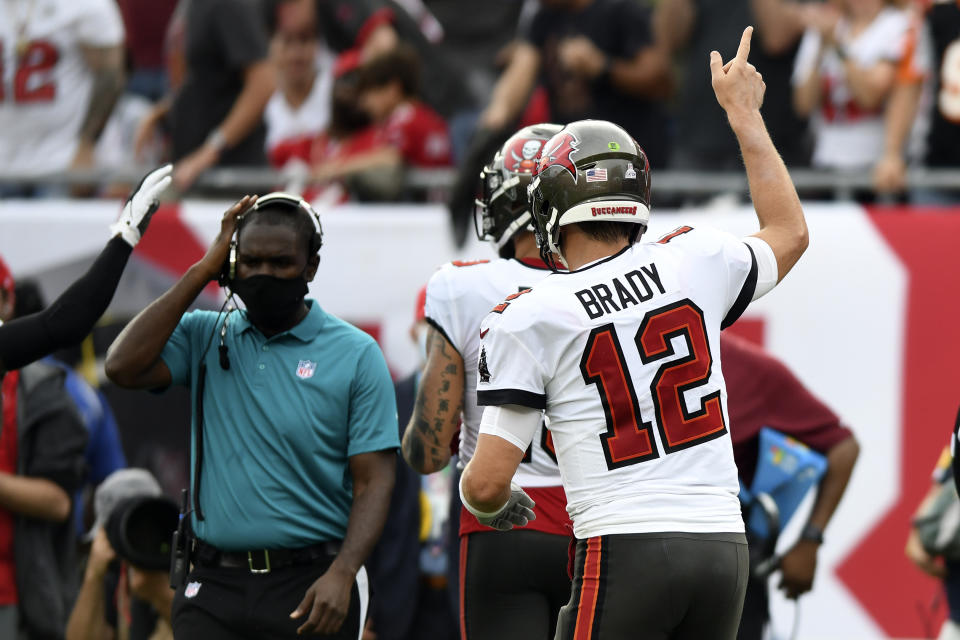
(512, 584)
(657, 586)
(756, 610)
(235, 604)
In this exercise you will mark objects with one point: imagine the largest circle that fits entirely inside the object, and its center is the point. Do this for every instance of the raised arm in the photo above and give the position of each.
(133, 360)
(245, 114)
(739, 90)
(72, 315)
(436, 413)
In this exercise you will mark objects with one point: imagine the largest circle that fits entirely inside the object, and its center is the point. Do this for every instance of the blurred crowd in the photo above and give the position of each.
(345, 95)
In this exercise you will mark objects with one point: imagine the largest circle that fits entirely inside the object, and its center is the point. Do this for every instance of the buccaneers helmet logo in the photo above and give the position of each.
(558, 152)
(523, 155)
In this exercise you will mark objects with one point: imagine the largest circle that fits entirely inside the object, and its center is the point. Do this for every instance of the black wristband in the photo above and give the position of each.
(812, 533)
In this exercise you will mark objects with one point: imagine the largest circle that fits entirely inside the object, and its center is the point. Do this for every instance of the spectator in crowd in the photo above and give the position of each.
(117, 598)
(935, 49)
(935, 566)
(762, 392)
(374, 27)
(598, 60)
(146, 24)
(104, 453)
(63, 73)
(300, 107)
(215, 117)
(42, 442)
(696, 27)
(388, 91)
(405, 131)
(843, 75)
(293, 458)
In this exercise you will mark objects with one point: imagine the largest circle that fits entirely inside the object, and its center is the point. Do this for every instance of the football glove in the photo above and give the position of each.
(517, 511)
(141, 205)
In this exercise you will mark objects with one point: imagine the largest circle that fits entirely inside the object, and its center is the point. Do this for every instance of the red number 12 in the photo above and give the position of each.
(628, 439)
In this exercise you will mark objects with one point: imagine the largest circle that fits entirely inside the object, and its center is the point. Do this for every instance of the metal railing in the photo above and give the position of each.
(841, 185)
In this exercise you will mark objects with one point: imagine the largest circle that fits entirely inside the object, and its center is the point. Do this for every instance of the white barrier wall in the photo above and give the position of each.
(861, 320)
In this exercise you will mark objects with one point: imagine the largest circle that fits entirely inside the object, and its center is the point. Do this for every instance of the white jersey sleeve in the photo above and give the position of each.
(99, 24)
(447, 306)
(511, 369)
(716, 257)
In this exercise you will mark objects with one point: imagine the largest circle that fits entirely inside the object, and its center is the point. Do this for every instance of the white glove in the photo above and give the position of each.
(141, 204)
(517, 511)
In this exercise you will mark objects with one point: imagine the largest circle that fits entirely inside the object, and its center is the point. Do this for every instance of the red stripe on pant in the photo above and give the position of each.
(463, 581)
(587, 607)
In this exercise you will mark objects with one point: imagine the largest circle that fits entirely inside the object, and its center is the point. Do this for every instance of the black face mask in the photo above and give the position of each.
(272, 302)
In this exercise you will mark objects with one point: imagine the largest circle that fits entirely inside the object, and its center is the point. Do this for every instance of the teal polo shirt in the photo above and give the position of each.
(281, 424)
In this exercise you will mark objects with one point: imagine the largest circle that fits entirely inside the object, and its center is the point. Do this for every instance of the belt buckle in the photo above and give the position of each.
(266, 562)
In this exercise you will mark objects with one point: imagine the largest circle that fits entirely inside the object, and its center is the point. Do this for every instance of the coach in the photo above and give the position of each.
(294, 433)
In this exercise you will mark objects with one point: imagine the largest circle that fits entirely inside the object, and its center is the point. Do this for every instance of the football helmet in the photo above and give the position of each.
(503, 206)
(591, 171)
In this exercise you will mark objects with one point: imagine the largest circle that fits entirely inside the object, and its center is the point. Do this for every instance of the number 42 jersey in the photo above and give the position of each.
(624, 356)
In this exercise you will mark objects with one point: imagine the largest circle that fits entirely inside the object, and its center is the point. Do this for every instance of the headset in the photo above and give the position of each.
(277, 199)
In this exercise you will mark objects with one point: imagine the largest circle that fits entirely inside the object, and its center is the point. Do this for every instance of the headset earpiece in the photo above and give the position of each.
(229, 270)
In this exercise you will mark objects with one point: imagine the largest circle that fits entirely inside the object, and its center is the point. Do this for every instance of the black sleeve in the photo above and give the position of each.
(242, 32)
(71, 316)
(635, 29)
(57, 435)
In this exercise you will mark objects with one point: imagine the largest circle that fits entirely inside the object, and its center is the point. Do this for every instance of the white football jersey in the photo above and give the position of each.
(286, 123)
(459, 296)
(624, 355)
(45, 84)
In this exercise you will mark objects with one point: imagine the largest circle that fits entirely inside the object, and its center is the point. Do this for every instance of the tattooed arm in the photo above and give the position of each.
(106, 67)
(436, 414)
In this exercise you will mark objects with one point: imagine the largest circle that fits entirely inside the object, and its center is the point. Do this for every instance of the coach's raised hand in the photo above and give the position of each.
(738, 85)
(219, 250)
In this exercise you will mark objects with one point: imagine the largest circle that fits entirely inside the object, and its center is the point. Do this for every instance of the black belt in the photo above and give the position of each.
(264, 560)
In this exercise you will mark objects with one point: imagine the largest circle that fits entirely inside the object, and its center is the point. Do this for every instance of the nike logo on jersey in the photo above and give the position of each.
(630, 289)
(484, 332)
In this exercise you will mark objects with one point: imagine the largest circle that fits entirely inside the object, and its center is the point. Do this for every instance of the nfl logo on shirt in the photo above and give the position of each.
(596, 175)
(305, 369)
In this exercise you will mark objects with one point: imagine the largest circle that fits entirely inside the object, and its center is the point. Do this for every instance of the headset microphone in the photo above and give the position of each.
(224, 357)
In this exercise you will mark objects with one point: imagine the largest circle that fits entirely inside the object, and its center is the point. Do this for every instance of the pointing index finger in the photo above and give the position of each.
(744, 50)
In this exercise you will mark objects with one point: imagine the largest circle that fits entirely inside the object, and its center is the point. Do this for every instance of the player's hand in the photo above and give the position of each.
(219, 251)
(516, 513)
(326, 602)
(919, 556)
(797, 568)
(141, 205)
(737, 84)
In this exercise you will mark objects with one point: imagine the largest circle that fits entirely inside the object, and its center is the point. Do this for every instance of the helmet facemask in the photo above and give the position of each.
(503, 207)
